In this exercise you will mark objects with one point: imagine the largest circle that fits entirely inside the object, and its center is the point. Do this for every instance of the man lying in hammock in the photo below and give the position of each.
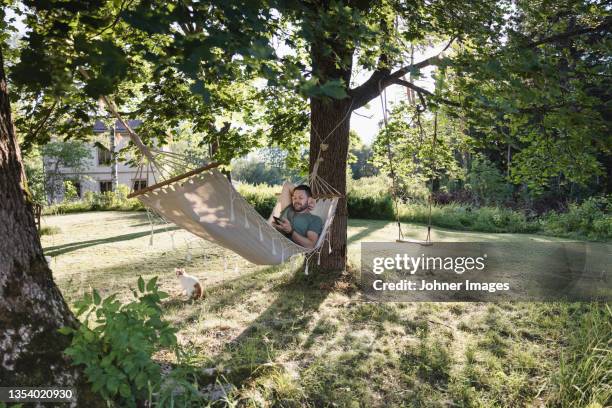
(295, 220)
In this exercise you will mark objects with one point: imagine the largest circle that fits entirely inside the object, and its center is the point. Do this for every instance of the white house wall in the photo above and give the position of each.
(93, 173)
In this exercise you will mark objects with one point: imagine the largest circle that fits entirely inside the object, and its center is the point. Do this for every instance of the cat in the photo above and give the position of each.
(191, 285)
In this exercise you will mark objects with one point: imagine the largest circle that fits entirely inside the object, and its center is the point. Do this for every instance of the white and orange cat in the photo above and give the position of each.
(190, 284)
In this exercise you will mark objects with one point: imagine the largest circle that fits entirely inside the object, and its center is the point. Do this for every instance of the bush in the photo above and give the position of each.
(70, 191)
(108, 201)
(261, 196)
(116, 343)
(454, 216)
(370, 198)
(591, 219)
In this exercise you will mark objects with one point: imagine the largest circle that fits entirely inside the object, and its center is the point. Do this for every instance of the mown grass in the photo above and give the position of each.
(285, 339)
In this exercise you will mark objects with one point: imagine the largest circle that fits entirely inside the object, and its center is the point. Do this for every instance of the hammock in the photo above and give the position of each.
(207, 205)
(204, 202)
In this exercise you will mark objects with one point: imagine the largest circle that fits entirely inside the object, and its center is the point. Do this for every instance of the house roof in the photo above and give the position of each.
(100, 127)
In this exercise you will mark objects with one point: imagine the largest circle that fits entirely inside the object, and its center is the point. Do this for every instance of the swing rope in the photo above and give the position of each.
(433, 167)
(383, 101)
(394, 188)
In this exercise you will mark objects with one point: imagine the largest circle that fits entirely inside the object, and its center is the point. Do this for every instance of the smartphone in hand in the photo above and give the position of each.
(277, 220)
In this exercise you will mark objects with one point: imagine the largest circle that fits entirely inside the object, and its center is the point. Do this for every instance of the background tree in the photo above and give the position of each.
(58, 155)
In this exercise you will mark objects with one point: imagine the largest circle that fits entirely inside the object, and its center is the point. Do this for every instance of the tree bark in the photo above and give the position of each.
(32, 308)
(325, 116)
(330, 125)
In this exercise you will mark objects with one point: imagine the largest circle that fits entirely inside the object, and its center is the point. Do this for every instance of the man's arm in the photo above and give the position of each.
(308, 241)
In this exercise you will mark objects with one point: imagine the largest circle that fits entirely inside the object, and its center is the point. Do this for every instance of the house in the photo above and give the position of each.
(100, 172)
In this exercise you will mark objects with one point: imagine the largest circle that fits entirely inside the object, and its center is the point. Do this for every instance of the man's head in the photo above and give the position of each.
(300, 197)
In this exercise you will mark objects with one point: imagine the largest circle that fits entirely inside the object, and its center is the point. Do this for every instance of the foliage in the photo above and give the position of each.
(107, 201)
(454, 216)
(486, 182)
(49, 230)
(35, 176)
(370, 198)
(70, 191)
(407, 148)
(590, 219)
(58, 155)
(261, 196)
(541, 88)
(203, 62)
(116, 343)
(360, 158)
(268, 166)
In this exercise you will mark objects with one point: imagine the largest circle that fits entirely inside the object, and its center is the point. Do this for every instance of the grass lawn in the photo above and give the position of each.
(320, 343)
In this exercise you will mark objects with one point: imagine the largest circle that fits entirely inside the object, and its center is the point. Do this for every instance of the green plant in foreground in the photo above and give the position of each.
(116, 342)
(583, 379)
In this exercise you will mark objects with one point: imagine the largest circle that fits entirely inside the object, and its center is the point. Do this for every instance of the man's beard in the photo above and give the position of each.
(299, 208)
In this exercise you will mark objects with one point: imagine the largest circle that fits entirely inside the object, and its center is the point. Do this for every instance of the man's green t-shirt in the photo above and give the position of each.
(302, 222)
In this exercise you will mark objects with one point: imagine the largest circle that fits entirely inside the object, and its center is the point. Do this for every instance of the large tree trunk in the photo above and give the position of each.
(325, 116)
(32, 308)
(330, 121)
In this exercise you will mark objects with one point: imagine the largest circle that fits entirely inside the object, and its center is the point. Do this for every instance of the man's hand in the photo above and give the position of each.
(284, 226)
(311, 203)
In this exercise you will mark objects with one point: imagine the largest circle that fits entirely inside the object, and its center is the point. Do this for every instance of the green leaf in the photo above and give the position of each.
(65, 330)
(141, 284)
(151, 284)
(112, 384)
(125, 390)
(96, 297)
(334, 89)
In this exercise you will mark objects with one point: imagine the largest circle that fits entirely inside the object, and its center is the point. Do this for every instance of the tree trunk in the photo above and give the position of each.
(330, 124)
(32, 308)
(325, 116)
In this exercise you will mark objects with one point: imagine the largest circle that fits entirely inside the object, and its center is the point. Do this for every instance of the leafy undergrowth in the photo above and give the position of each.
(271, 336)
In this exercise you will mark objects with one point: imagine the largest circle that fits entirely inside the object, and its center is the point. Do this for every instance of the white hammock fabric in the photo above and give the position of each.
(208, 206)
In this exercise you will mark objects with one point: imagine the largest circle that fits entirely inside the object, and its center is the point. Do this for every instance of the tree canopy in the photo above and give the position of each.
(534, 76)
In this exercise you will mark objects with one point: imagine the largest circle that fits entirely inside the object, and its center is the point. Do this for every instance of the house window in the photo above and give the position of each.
(106, 186)
(77, 186)
(139, 185)
(104, 156)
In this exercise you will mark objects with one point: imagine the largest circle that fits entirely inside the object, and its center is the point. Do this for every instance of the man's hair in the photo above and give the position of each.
(305, 188)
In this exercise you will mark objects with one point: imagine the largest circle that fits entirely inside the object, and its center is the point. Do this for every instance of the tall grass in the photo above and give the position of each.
(585, 374)
(455, 216)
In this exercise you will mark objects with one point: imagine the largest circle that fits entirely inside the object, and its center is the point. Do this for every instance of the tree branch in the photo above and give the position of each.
(382, 78)
(44, 120)
(422, 91)
(605, 25)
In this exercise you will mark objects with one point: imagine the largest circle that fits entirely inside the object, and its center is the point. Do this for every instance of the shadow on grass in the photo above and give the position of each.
(73, 246)
(280, 327)
(369, 230)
